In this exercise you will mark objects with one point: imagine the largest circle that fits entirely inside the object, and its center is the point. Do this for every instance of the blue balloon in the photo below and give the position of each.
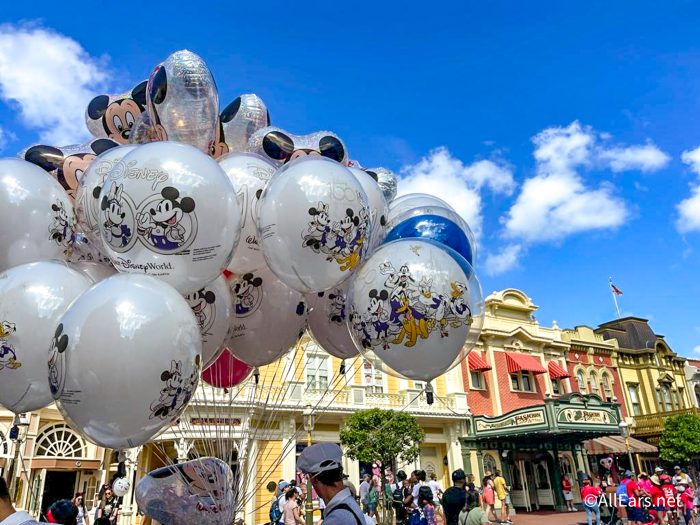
(435, 228)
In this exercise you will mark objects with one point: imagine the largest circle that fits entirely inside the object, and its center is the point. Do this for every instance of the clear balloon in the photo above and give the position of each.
(414, 307)
(169, 211)
(32, 299)
(378, 207)
(241, 119)
(183, 102)
(131, 342)
(120, 487)
(94, 271)
(413, 200)
(313, 221)
(199, 492)
(281, 147)
(268, 317)
(387, 182)
(114, 116)
(213, 307)
(249, 173)
(328, 323)
(87, 198)
(67, 164)
(37, 220)
(226, 371)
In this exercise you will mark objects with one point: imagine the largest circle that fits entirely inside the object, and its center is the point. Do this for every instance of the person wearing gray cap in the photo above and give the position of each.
(324, 463)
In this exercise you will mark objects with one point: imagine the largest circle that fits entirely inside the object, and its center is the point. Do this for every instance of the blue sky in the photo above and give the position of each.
(557, 128)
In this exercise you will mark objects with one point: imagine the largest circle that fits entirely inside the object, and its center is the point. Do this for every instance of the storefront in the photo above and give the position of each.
(534, 447)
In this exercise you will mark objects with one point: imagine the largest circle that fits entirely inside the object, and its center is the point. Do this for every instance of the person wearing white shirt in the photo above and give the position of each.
(8, 514)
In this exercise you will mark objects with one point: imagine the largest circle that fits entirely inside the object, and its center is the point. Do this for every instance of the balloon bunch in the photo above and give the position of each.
(184, 238)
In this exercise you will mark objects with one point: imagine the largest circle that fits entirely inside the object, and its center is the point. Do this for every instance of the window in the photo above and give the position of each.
(372, 376)
(676, 399)
(316, 372)
(593, 382)
(634, 399)
(522, 382)
(660, 400)
(697, 395)
(581, 382)
(489, 464)
(477, 379)
(605, 385)
(59, 441)
(668, 404)
(556, 387)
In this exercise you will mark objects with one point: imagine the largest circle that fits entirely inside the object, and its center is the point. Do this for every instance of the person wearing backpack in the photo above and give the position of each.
(424, 513)
(399, 493)
(454, 499)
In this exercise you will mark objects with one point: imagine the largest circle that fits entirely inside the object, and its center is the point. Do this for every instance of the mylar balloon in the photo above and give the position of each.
(378, 208)
(87, 198)
(249, 174)
(113, 116)
(313, 221)
(226, 371)
(387, 182)
(328, 323)
(130, 340)
(413, 306)
(268, 317)
(120, 487)
(213, 308)
(280, 146)
(67, 163)
(413, 200)
(241, 119)
(199, 492)
(32, 299)
(169, 211)
(183, 101)
(36, 216)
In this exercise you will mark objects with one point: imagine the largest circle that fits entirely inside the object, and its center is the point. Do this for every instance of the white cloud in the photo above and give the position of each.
(692, 159)
(696, 350)
(460, 185)
(645, 158)
(50, 79)
(3, 139)
(689, 212)
(506, 259)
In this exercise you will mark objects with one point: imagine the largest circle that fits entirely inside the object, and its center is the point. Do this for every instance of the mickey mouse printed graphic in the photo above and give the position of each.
(118, 115)
(337, 311)
(8, 356)
(203, 304)
(167, 222)
(61, 230)
(247, 294)
(59, 344)
(176, 392)
(117, 229)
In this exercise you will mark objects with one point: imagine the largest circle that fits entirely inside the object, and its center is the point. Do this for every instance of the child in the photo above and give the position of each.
(687, 500)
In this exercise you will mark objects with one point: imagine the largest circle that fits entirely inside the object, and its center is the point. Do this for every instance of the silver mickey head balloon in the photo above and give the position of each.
(280, 146)
(241, 119)
(114, 116)
(387, 181)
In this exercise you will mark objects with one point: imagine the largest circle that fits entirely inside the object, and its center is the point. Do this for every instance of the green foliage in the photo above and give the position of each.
(369, 435)
(680, 440)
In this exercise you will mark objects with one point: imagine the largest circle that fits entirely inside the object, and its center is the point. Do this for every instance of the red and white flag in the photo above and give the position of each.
(615, 289)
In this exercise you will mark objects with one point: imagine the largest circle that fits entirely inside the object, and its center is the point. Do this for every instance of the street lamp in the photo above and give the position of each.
(309, 420)
(625, 431)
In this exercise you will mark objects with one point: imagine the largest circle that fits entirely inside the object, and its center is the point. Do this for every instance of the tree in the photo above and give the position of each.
(679, 441)
(385, 435)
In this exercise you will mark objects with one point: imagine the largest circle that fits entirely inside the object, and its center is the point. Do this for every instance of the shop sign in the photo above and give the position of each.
(524, 419)
(586, 417)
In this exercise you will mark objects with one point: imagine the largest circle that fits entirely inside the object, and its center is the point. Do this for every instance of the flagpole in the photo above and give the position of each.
(614, 296)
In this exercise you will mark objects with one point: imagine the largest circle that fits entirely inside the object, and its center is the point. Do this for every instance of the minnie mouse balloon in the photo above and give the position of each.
(32, 298)
(268, 317)
(249, 174)
(36, 215)
(226, 371)
(169, 211)
(328, 323)
(130, 340)
(183, 101)
(313, 221)
(377, 205)
(212, 307)
(113, 116)
(413, 305)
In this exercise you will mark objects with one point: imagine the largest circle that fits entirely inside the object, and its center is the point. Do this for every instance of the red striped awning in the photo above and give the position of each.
(556, 371)
(477, 363)
(523, 363)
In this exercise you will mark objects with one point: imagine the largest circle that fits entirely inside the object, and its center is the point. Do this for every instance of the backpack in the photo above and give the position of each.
(417, 517)
(621, 492)
(345, 506)
(275, 512)
(397, 497)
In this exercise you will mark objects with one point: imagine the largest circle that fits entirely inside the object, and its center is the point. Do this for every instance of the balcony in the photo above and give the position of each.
(653, 424)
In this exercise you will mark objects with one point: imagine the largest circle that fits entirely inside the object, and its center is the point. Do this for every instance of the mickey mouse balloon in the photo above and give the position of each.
(378, 208)
(113, 116)
(32, 298)
(313, 222)
(169, 211)
(241, 119)
(413, 306)
(36, 216)
(130, 341)
(328, 323)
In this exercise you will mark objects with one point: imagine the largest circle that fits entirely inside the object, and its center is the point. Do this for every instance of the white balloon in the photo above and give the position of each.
(36, 215)
(131, 342)
(249, 173)
(32, 298)
(412, 200)
(313, 222)
(328, 323)
(87, 197)
(170, 212)
(120, 487)
(379, 210)
(94, 271)
(268, 317)
(212, 307)
(413, 305)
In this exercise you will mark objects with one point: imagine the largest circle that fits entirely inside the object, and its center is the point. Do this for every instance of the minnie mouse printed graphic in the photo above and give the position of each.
(177, 391)
(167, 222)
(59, 344)
(61, 230)
(118, 218)
(8, 357)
